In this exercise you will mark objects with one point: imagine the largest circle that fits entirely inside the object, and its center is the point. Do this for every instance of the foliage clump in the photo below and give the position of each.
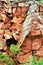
(10, 62)
(4, 58)
(14, 49)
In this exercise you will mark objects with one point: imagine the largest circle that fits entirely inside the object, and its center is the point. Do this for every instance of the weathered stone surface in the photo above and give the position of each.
(35, 32)
(36, 44)
(23, 57)
(26, 47)
(39, 52)
(14, 25)
(35, 29)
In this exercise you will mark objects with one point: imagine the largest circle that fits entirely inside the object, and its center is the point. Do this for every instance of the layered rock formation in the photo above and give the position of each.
(33, 43)
(11, 20)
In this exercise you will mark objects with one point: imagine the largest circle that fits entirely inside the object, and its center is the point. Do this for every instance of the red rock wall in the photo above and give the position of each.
(33, 44)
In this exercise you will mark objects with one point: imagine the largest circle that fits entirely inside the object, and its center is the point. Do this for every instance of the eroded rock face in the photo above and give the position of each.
(33, 44)
(34, 41)
(23, 57)
(11, 22)
(26, 47)
(10, 25)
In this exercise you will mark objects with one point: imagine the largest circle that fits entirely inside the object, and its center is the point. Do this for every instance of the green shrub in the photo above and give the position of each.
(1, 56)
(6, 58)
(14, 49)
(40, 62)
(32, 61)
(10, 62)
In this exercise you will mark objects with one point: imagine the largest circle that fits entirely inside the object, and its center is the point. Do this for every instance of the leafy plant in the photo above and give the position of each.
(1, 58)
(6, 58)
(33, 61)
(10, 62)
(40, 62)
(14, 49)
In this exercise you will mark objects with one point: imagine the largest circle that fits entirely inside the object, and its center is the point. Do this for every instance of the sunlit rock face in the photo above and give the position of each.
(33, 44)
(11, 20)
